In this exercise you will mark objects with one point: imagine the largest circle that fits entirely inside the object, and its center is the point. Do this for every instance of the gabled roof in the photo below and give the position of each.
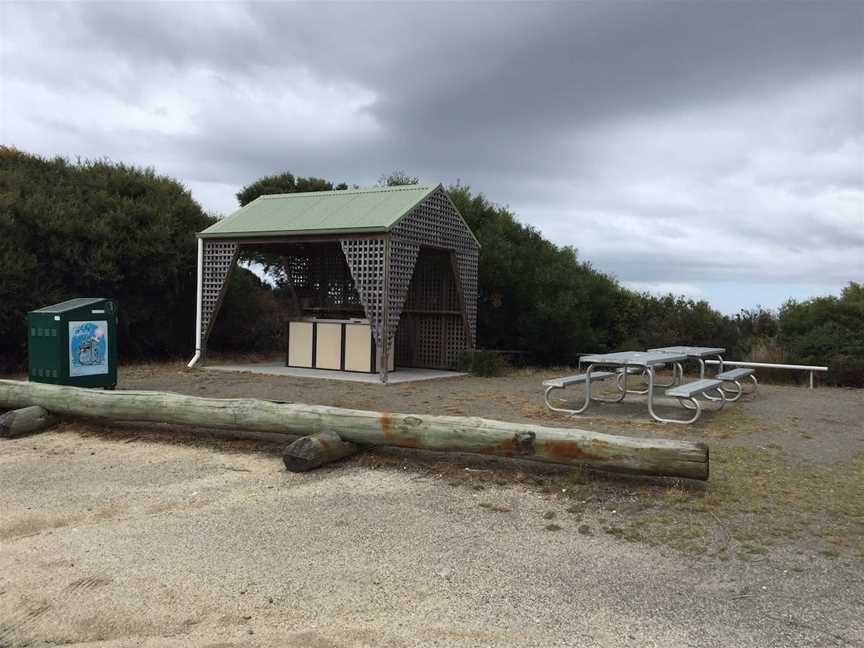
(321, 212)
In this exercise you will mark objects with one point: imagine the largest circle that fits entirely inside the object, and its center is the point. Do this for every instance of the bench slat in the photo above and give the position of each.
(577, 379)
(688, 390)
(735, 374)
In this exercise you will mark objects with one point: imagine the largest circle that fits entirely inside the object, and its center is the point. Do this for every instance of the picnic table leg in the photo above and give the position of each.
(676, 369)
(696, 406)
(650, 371)
(564, 410)
(717, 398)
(587, 389)
(734, 395)
(623, 387)
(622, 390)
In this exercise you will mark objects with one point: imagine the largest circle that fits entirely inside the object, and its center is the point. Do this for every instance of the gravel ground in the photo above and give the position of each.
(134, 535)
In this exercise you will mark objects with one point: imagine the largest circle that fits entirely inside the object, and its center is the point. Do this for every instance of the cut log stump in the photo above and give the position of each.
(27, 420)
(310, 452)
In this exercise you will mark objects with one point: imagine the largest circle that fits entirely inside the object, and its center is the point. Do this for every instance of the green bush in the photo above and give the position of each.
(827, 330)
(254, 318)
(533, 295)
(111, 230)
(647, 321)
(824, 330)
(97, 229)
(101, 229)
(846, 370)
(281, 183)
(768, 350)
(488, 364)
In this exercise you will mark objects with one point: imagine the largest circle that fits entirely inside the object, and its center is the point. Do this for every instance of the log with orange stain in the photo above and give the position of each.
(610, 452)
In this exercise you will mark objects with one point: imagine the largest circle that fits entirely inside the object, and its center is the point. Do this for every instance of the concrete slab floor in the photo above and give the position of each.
(400, 375)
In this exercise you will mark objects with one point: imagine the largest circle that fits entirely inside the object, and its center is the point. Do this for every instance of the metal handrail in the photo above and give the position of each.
(769, 365)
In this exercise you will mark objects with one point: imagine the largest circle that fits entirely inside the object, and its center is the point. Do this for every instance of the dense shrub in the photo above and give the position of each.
(281, 183)
(648, 321)
(487, 364)
(535, 296)
(101, 229)
(827, 330)
(254, 319)
(97, 229)
(111, 230)
(846, 370)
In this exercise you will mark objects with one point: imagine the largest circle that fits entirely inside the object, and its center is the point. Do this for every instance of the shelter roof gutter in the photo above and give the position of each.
(291, 233)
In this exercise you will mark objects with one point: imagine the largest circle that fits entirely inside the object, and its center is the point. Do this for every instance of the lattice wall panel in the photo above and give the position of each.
(365, 257)
(435, 222)
(454, 331)
(432, 286)
(219, 259)
(403, 256)
(431, 339)
(431, 330)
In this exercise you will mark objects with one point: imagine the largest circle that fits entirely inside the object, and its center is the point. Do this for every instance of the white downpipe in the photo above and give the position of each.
(198, 296)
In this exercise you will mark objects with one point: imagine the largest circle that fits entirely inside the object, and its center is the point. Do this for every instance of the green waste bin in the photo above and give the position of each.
(74, 343)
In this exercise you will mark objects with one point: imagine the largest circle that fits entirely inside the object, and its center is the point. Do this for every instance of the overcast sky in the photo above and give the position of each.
(711, 149)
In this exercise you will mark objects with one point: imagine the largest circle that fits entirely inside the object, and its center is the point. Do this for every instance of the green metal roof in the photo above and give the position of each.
(70, 304)
(321, 212)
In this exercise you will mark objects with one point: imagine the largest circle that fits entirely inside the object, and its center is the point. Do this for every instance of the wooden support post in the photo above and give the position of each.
(313, 451)
(384, 324)
(661, 457)
(27, 420)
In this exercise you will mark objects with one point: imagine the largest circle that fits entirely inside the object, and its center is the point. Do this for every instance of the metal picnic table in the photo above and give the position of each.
(700, 354)
(695, 353)
(644, 362)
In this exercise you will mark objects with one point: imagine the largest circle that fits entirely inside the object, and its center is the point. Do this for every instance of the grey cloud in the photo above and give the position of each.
(592, 120)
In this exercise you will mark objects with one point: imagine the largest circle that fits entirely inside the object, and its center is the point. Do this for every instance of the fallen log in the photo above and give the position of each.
(27, 420)
(310, 452)
(608, 452)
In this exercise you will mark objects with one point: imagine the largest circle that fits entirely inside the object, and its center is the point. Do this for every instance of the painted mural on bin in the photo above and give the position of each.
(88, 348)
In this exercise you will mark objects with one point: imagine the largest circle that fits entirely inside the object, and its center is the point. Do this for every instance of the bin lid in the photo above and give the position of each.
(70, 304)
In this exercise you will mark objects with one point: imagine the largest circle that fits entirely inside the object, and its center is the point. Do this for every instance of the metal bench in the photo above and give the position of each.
(687, 393)
(577, 379)
(736, 376)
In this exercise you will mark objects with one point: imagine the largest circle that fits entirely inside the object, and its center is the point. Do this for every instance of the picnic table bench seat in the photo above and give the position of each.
(687, 393)
(736, 376)
(691, 389)
(577, 379)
